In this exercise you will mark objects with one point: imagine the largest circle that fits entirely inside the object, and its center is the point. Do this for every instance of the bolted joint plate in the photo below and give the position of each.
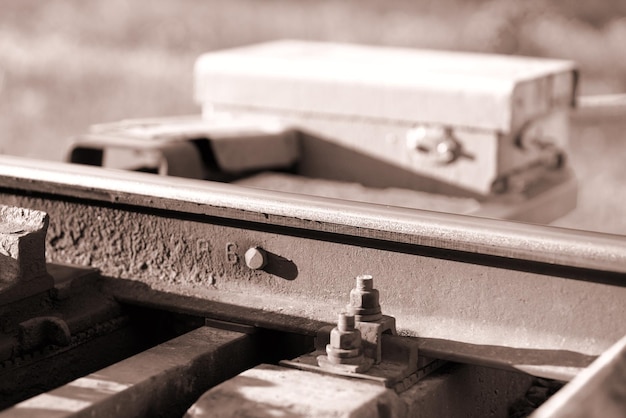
(395, 359)
(399, 369)
(22, 253)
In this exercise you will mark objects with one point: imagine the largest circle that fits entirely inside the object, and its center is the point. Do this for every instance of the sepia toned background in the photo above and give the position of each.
(67, 64)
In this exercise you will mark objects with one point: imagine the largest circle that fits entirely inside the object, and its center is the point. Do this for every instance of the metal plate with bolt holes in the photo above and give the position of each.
(470, 280)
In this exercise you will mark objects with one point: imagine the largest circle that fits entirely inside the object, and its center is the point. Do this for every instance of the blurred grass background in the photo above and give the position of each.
(66, 64)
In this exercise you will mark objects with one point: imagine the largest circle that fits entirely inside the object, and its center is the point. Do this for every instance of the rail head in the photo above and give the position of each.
(461, 233)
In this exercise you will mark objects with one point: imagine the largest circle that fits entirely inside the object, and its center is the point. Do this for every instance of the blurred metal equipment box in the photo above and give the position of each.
(441, 122)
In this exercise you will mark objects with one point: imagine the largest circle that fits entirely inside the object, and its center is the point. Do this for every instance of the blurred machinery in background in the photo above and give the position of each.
(454, 132)
(240, 280)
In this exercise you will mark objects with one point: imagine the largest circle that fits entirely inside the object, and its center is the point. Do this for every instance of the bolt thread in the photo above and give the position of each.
(365, 282)
(345, 322)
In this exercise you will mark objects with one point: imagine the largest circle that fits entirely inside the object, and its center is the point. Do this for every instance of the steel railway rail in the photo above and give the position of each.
(464, 279)
(537, 299)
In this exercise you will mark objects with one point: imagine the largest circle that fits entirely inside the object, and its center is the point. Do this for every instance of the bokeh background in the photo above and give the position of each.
(66, 64)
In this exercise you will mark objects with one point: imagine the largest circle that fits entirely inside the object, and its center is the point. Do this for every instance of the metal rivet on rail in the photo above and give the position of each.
(256, 258)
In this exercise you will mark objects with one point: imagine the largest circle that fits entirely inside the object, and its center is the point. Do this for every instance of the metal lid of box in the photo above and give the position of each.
(477, 91)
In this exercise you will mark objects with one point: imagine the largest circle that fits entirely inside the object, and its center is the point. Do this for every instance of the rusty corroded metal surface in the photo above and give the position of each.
(519, 242)
(449, 277)
(22, 253)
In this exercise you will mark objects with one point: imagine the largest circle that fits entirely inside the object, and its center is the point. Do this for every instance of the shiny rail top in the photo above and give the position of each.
(534, 243)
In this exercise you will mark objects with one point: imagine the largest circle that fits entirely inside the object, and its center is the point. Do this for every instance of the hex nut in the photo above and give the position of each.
(365, 300)
(345, 340)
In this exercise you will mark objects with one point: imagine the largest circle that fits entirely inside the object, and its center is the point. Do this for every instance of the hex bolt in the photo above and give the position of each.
(364, 300)
(364, 282)
(434, 144)
(345, 342)
(256, 258)
(447, 150)
(345, 322)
